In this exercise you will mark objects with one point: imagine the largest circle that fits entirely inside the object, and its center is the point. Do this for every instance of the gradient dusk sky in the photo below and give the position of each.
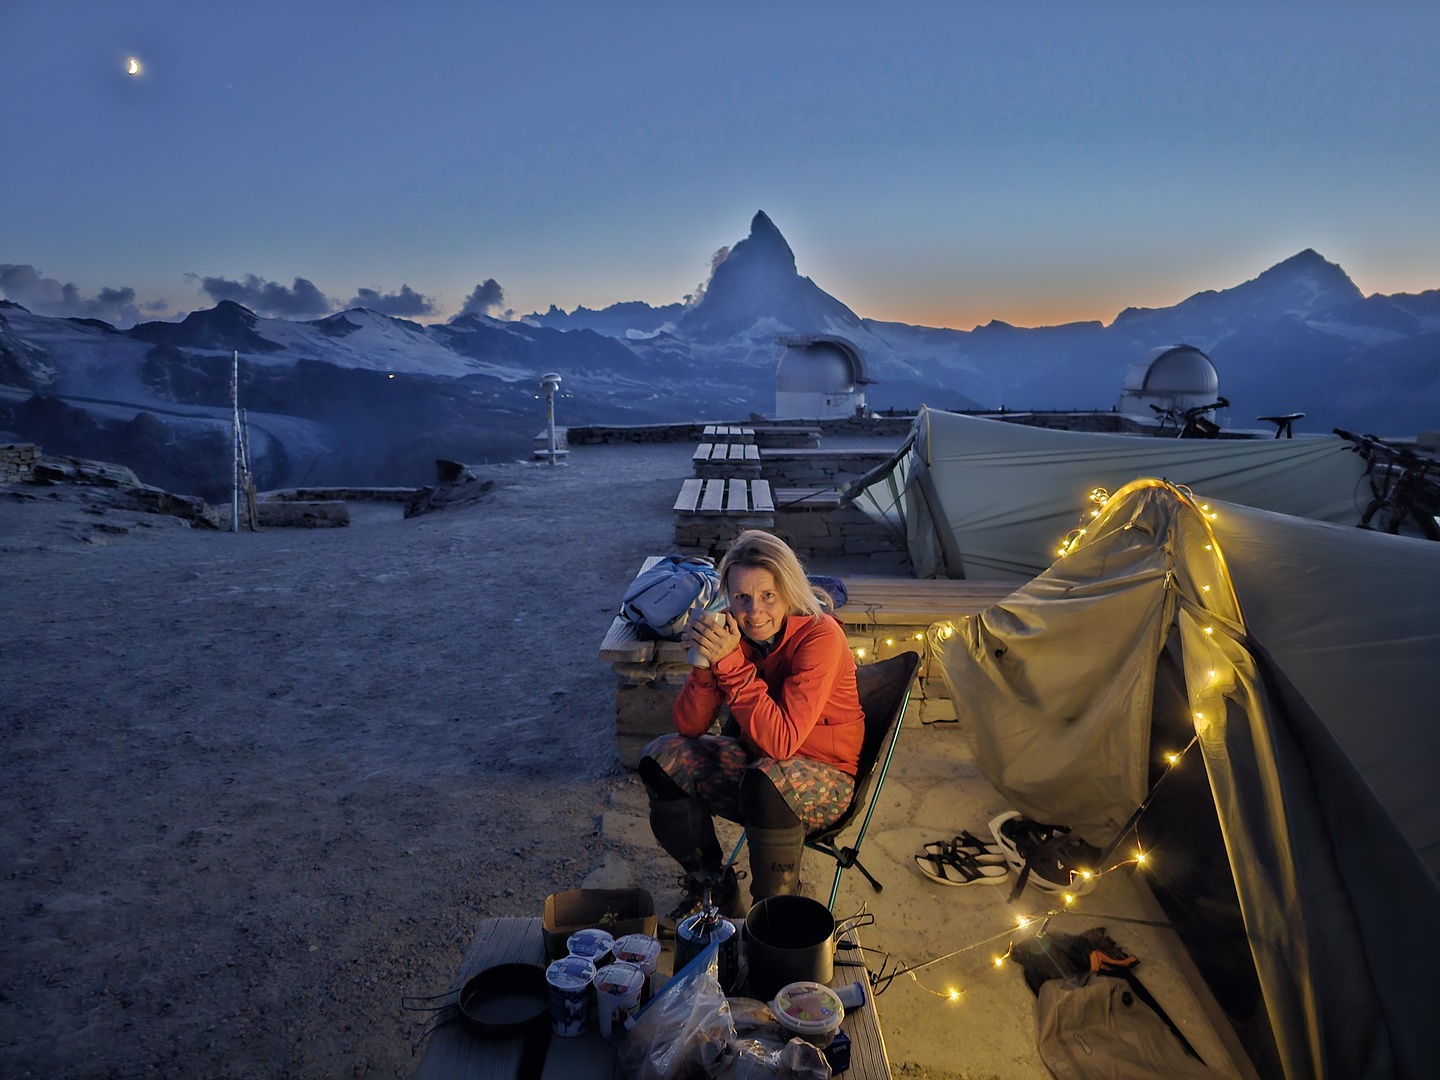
(933, 163)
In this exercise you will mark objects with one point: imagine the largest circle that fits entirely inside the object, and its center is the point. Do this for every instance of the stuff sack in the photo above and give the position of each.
(658, 602)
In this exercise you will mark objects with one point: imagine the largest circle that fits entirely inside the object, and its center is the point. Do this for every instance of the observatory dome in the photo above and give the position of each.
(819, 368)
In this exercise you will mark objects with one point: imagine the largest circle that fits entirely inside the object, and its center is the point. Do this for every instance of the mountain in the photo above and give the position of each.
(363, 398)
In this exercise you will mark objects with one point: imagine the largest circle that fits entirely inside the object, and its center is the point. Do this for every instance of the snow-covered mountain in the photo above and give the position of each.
(360, 397)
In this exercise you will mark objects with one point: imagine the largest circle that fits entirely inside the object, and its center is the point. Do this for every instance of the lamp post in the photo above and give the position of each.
(550, 382)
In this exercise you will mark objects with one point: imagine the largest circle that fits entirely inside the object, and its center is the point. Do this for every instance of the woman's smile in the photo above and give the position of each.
(755, 602)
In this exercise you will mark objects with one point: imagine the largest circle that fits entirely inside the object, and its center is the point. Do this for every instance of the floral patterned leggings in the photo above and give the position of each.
(712, 765)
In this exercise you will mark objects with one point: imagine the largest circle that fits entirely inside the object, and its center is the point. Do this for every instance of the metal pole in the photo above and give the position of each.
(550, 382)
(235, 443)
(550, 421)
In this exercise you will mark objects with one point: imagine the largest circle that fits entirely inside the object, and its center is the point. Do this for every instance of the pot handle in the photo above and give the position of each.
(865, 918)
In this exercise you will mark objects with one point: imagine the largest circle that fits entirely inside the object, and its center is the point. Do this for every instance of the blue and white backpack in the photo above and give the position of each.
(658, 602)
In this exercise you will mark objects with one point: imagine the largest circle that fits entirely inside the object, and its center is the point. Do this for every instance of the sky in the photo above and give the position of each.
(942, 164)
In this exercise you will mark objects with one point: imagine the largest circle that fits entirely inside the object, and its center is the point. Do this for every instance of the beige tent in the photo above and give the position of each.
(978, 498)
(1305, 660)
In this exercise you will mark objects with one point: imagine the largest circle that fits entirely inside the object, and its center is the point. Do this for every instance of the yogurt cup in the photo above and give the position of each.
(617, 995)
(643, 951)
(569, 979)
(593, 944)
(809, 1009)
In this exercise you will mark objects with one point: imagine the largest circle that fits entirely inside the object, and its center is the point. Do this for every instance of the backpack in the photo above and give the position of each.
(658, 602)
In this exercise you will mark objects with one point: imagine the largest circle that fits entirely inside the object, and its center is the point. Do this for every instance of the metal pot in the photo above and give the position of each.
(792, 939)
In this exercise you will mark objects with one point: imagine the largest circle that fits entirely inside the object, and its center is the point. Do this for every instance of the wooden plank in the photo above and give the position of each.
(737, 500)
(752, 452)
(809, 498)
(689, 495)
(709, 431)
(623, 646)
(735, 451)
(760, 497)
(895, 601)
(868, 1060)
(454, 1054)
(702, 452)
(713, 501)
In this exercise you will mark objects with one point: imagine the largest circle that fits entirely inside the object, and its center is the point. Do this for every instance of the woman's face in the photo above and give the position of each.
(755, 602)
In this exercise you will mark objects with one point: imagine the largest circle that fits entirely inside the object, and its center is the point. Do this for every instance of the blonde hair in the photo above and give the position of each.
(757, 550)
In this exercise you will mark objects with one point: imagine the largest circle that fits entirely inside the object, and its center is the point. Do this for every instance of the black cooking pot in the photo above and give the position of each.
(792, 939)
(506, 1001)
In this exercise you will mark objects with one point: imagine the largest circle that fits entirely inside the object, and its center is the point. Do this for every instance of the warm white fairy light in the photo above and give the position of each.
(1172, 757)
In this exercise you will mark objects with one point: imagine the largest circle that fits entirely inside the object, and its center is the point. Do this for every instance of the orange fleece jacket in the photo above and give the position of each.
(799, 700)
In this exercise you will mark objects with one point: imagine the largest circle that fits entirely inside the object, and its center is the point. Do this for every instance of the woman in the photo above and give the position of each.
(782, 667)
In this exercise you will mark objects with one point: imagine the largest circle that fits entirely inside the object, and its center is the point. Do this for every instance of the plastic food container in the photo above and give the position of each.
(811, 1010)
(594, 945)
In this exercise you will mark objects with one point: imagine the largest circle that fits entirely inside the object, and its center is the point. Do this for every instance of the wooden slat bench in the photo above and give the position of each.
(882, 617)
(887, 615)
(453, 1053)
(709, 514)
(726, 459)
(728, 433)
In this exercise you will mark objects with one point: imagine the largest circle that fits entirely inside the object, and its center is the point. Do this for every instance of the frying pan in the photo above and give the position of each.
(506, 1001)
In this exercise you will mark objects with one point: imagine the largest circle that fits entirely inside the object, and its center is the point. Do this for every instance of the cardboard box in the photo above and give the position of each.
(620, 911)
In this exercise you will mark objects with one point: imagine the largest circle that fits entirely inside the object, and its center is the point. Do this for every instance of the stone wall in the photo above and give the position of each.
(830, 533)
(817, 468)
(17, 462)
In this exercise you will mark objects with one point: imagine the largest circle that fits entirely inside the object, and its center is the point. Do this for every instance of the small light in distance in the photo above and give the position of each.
(132, 66)
(391, 375)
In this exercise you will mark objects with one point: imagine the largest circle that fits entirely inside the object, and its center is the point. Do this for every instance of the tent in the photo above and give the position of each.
(976, 498)
(1303, 659)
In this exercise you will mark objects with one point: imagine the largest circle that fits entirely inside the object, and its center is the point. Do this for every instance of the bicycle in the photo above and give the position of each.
(1404, 486)
(1192, 423)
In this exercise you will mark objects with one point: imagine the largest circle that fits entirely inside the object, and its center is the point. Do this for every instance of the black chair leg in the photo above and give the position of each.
(869, 876)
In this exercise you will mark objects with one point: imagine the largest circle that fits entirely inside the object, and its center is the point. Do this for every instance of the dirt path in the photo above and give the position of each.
(256, 788)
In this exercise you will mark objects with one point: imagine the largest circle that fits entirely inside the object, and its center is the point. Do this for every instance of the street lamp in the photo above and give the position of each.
(550, 382)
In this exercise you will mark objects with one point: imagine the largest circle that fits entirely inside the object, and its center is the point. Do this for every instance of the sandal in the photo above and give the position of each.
(959, 868)
(968, 843)
(1044, 855)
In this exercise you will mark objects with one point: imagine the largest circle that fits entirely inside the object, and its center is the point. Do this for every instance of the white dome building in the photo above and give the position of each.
(819, 376)
(1172, 377)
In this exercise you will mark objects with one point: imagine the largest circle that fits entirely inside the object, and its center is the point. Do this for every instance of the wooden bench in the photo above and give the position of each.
(728, 433)
(883, 616)
(722, 459)
(453, 1053)
(710, 514)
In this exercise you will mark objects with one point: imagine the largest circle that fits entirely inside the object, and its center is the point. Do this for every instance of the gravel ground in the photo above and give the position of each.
(258, 787)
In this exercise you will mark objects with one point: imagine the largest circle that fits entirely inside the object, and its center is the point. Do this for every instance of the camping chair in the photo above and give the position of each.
(884, 692)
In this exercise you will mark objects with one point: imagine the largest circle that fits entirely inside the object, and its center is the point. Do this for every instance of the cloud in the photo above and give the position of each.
(269, 297)
(487, 296)
(155, 306)
(26, 286)
(693, 299)
(406, 302)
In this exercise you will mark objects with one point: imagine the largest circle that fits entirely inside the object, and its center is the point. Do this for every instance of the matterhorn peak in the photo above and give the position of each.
(765, 240)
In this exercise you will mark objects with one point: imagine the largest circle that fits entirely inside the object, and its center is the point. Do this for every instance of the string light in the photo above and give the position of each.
(1209, 630)
(1172, 757)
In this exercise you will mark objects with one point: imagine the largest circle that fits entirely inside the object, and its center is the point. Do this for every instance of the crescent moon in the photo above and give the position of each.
(134, 67)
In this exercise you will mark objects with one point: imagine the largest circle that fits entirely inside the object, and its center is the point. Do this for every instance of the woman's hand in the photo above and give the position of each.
(715, 634)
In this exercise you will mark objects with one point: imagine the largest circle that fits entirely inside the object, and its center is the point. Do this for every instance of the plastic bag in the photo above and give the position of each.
(761, 1059)
(670, 1033)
